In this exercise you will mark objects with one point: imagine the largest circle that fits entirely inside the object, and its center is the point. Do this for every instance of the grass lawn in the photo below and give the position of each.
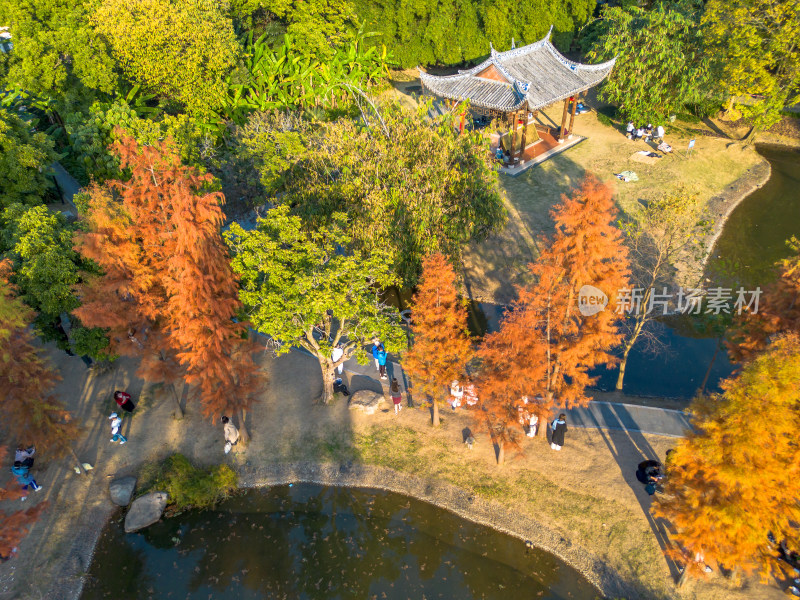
(493, 267)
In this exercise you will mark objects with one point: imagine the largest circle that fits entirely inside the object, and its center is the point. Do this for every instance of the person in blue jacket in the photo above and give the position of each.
(381, 357)
(22, 473)
(376, 343)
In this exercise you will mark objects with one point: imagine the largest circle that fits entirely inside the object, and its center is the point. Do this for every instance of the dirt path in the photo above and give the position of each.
(595, 466)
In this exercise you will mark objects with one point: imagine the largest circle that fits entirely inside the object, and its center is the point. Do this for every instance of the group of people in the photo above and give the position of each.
(645, 132)
(123, 400)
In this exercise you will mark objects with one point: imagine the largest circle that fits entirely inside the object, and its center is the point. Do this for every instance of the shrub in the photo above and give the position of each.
(188, 486)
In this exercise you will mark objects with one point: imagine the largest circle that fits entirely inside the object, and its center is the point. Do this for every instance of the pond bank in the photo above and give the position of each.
(449, 497)
(587, 494)
(71, 579)
(723, 204)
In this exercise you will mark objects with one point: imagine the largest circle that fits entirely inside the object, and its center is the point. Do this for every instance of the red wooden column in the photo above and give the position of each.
(524, 131)
(562, 133)
(572, 116)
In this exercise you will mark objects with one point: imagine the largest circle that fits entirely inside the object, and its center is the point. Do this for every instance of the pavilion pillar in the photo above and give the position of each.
(572, 115)
(512, 133)
(524, 132)
(562, 130)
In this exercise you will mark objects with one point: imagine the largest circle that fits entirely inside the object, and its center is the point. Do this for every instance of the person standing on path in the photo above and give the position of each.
(381, 356)
(231, 434)
(24, 455)
(559, 429)
(336, 354)
(123, 400)
(116, 436)
(376, 345)
(397, 398)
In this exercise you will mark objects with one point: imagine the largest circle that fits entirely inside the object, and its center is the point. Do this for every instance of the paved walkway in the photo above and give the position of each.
(67, 184)
(597, 415)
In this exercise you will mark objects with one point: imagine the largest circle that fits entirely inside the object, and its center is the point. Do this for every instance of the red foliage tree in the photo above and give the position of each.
(442, 347)
(167, 277)
(546, 346)
(26, 379)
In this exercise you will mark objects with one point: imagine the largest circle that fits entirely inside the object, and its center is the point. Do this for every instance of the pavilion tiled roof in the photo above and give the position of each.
(536, 73)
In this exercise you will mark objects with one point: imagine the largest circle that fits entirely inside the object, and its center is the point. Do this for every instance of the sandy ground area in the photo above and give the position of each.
(286, 426)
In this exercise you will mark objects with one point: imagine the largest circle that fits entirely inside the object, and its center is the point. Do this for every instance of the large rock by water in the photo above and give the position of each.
(121, 490)
(145, 511)
(366, 401)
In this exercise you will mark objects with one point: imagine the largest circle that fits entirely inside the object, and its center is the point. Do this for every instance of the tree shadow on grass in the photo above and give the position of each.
(629, 448)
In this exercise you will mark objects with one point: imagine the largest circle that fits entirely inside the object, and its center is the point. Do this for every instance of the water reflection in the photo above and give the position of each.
(315, 542)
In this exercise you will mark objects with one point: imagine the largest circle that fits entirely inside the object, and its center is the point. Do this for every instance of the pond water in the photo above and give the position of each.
(753, 239)
(314, 542)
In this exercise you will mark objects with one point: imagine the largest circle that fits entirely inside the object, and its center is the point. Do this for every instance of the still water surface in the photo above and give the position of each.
(313, 542)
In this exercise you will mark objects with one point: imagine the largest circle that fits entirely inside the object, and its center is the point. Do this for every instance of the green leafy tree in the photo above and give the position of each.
(57, 54)
(409, 187)
(181, 50)
(431, 32)
(754, 44)
(295, 76)
(46, 270)
(660, 63)
(25, 160)
(304, 289)
(92, 132)
(40, 243)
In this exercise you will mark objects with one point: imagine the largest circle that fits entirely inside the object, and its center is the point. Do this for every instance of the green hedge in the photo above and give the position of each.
(188, 486)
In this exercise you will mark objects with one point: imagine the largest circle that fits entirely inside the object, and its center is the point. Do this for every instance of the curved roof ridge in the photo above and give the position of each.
(459, 75)
(574, 66)
(526, 49)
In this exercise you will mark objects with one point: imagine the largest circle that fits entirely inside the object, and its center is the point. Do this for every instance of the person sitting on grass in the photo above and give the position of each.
(629, 129)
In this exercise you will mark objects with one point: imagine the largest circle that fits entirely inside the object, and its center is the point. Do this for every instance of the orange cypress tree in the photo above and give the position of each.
(128, 299)
(167, 272)
(733, 482)
(546, 346)
(442, 347)
(778, 311)
(507, 359)
(26, 380)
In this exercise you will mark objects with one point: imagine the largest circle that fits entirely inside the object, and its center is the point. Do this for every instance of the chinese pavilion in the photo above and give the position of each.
(518, 83)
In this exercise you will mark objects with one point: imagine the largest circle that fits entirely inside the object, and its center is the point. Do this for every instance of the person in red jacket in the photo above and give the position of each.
(123, 399)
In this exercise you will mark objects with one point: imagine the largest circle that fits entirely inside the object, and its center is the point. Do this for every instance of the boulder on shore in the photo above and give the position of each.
(145, 511)
(121, 490)
(366, 401)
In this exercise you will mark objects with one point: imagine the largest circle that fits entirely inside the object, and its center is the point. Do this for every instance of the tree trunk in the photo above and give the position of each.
(179, 414)
(435, 413)
(710, 365)
(750, 137)
(244, 435)
(684, 575)
(327, 380)
(77, 460)
(501, 453)
(623, 363)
